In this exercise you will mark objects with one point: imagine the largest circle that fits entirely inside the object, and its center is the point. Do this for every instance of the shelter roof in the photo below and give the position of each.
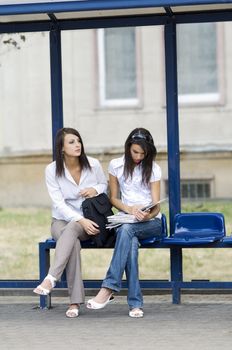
(12, 11)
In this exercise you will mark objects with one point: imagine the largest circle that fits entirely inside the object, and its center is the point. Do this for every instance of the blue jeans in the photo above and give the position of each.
(125, 258)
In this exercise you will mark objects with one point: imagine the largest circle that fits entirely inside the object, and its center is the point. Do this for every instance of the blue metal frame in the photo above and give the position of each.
(175, 285)
(173, 150)
(172, 121)
(119, 21)
(56, 82)
(55, 26)
(99, 5)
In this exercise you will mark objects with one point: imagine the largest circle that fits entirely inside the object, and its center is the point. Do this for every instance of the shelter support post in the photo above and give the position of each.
(173, 149)
(44, 262)
(176, 273)
(56, 82)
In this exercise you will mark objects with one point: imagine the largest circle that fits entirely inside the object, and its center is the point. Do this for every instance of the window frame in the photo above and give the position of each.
(118, 103)
(210, 99)
(195, 182)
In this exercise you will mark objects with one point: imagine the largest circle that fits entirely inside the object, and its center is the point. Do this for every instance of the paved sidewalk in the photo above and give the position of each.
(202, 322)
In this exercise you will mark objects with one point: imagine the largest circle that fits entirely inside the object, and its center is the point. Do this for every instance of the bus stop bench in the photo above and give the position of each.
(191, 230)
(44, 258)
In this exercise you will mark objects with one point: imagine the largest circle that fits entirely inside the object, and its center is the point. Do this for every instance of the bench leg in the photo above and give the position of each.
(44, 263)
(176, 274)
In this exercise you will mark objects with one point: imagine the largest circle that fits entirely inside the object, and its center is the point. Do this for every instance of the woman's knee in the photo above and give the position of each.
(74, 228)
(125, 231)
(134, 247)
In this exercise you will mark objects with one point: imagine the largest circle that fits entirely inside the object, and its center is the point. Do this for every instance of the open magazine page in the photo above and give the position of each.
(123, 218)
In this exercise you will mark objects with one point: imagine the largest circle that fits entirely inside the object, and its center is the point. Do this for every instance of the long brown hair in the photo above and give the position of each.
(59, 144)
(143, 138)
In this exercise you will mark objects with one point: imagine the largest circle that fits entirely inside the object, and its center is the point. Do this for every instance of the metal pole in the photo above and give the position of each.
(173, 152)
(56, 82)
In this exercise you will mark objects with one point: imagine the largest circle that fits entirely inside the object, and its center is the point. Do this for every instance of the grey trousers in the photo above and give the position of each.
(68, 256)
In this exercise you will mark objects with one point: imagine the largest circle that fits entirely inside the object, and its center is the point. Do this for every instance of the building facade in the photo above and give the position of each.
(114, 81)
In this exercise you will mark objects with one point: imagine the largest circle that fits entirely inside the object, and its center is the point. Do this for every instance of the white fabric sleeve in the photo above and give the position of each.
(156, 173)
(101, 179)
(111, 169)
(57, 197)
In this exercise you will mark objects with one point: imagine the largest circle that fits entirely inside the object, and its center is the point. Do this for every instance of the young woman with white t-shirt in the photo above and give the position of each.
(70, 179)
(136, 176)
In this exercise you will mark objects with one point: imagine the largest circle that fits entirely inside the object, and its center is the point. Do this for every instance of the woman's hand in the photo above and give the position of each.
(142, 215)
(88, 192)
(138, 213)
(90, 227)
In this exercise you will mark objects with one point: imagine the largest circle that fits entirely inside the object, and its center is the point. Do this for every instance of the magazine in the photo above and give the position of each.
(152, 205)
(123, 218)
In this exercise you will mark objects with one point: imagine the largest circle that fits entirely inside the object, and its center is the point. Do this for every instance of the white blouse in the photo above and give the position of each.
(133, 191)
(65, 192)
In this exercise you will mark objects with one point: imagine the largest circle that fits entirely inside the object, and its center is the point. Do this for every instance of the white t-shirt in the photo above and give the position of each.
(133, 191)
(65, 192)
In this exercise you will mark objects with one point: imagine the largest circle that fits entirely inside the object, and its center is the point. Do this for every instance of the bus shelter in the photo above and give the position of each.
(55, 16)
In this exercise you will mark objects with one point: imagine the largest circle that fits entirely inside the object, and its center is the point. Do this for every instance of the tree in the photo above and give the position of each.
(11, 41)
(14, 41)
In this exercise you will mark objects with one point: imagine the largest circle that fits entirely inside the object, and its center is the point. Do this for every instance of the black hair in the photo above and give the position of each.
(143, 138)
(59, 144)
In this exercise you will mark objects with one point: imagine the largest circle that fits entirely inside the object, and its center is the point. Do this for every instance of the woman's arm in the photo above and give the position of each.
(90, 227)
(57, 197)
(155, 194)
(114, 193)
(115, 201)
(101, 185)
(150, 214)
(135, 210)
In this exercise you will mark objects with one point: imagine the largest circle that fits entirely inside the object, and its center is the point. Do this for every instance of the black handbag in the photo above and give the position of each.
(97, 209)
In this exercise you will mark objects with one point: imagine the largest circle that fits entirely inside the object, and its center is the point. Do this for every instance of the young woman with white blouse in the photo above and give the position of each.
(70, 179)
(134, 181)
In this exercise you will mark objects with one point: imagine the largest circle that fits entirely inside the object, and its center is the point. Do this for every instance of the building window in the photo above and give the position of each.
(117, 67)
(193, 189)
(198, 63)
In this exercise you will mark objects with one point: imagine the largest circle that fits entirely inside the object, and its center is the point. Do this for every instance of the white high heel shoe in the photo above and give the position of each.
(44, 291)
(91, 304)
(136, 313)
(72, 312)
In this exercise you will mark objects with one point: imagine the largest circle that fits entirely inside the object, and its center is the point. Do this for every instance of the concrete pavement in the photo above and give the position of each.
(202, 322)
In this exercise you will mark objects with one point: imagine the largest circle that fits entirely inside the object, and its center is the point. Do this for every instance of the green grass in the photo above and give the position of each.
(20, 232)
(21, 229)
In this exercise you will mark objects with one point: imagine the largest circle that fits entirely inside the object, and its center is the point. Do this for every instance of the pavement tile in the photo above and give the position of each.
(200, 321)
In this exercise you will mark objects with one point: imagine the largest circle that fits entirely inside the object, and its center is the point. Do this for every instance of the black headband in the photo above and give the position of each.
(140, 136)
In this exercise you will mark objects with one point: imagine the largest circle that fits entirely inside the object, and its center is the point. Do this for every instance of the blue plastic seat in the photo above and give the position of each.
(194, 229)
(152, 240)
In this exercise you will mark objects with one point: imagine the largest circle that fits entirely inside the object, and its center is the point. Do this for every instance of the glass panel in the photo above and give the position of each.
(184, 191)
(197, 58)
(166, 188)
(200, 190)
(25, 150)
(120, 63)
(207, 191)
